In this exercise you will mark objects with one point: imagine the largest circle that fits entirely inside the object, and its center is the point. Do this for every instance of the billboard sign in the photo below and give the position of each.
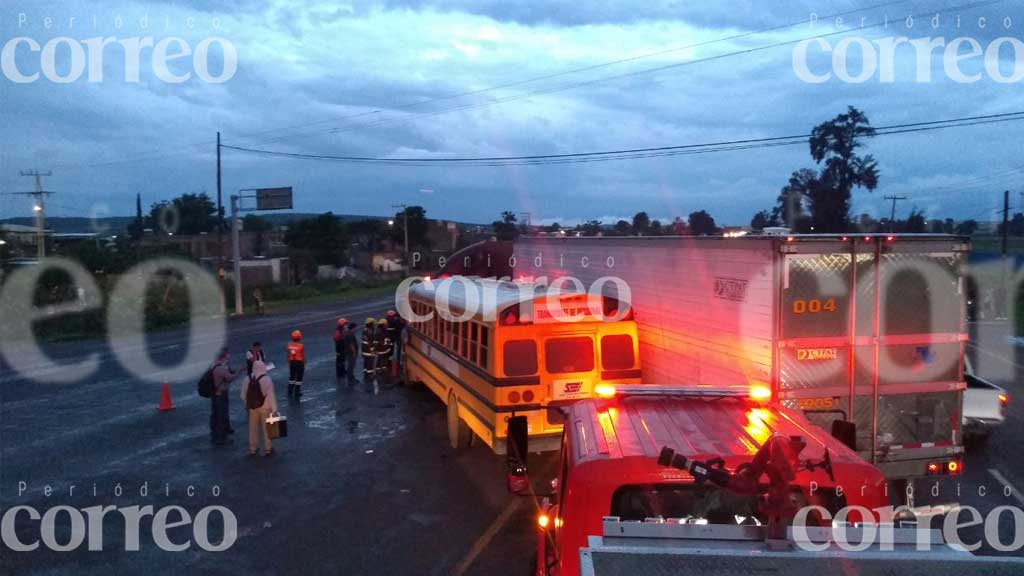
(274, 198)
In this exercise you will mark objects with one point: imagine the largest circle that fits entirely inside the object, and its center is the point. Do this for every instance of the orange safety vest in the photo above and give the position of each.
(296, 352)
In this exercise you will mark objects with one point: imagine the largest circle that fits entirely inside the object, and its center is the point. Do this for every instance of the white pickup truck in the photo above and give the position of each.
(984, 405)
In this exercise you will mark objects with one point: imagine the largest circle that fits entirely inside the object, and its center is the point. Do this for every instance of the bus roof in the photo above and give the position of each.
(696, 427)
(491, 296)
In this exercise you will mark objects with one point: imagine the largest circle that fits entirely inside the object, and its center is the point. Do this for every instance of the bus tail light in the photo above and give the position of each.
(513, 397)
(760, 393)
(543, 520)
(528, 396)
(604, 391)
(953, 467)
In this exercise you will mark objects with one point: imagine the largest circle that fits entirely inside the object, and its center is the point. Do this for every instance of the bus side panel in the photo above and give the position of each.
(704, 307)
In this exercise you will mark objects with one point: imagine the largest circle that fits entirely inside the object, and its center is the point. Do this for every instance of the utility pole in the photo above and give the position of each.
(39, 208)
(1006, 222)
(220, 223)
(405, 226)
(892, 214)
(236, 252)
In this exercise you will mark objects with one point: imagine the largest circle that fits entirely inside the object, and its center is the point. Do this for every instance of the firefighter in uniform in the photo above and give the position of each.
(382, 348)
(395, 325)
(369, 355)
(296, 364)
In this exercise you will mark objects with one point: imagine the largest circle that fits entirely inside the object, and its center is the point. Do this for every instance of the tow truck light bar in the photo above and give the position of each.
(760, 393)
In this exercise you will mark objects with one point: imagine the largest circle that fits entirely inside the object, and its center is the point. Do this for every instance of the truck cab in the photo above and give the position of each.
(609, 466)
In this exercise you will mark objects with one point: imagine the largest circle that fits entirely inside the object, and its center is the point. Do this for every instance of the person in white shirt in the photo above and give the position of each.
(258, 395)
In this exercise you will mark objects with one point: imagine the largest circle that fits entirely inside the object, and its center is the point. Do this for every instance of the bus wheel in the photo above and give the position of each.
(459, 434)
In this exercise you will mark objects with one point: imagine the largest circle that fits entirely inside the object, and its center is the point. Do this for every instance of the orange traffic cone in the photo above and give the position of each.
(165, 399)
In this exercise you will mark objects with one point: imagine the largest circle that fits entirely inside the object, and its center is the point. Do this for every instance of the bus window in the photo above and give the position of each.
(474, 341)
(484, 333)
(520, 357)
(617, 352)
(464, 334)
(564, 355)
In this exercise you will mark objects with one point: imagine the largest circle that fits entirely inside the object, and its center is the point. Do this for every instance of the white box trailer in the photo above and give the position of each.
(866, 334)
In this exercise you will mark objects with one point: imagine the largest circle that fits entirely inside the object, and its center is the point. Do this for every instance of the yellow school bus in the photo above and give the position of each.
(514, 349)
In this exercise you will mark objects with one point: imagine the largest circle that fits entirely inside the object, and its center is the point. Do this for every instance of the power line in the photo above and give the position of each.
(634, 153)
(574, 85)
(563, 87)
(525, 81)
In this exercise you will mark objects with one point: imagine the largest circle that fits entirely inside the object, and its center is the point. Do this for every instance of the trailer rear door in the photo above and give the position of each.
(871, 331)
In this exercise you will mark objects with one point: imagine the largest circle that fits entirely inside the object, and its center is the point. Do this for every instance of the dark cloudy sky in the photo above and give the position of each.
(374, 79)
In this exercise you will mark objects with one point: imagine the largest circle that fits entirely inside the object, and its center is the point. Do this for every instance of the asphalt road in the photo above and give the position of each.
(372, 490)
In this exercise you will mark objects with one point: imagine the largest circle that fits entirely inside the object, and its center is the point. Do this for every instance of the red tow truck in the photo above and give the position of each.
(695, 456)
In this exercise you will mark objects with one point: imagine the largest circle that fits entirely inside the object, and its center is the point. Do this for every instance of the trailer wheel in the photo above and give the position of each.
(459, 434)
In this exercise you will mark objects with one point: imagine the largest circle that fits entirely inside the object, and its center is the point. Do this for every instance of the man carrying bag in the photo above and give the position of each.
(258, 395)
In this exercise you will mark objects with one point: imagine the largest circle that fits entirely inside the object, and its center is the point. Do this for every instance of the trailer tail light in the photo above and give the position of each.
(604, 391)
(760, 393)
(951, 468)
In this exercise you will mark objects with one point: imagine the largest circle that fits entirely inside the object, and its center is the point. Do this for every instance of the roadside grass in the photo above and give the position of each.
(167, 306)
(280, 299)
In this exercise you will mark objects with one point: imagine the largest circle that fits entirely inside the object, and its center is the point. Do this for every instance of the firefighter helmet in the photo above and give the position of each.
(342, 321)
(370, 321)
(382, 322)
(296, 335)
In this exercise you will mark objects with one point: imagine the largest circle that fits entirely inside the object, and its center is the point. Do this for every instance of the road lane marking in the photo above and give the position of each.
(996, 356)
(1002, 479)
(485, 539)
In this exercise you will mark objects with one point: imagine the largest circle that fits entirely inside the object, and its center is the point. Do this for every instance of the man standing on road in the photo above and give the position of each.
(351, 347)
(296, 365)
(220, 421)
(340, 353)
(259, 398)
(253, 354)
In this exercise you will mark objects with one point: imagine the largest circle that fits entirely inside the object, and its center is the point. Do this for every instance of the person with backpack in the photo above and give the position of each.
(296, 364)
(259, 398)
(221, 378)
